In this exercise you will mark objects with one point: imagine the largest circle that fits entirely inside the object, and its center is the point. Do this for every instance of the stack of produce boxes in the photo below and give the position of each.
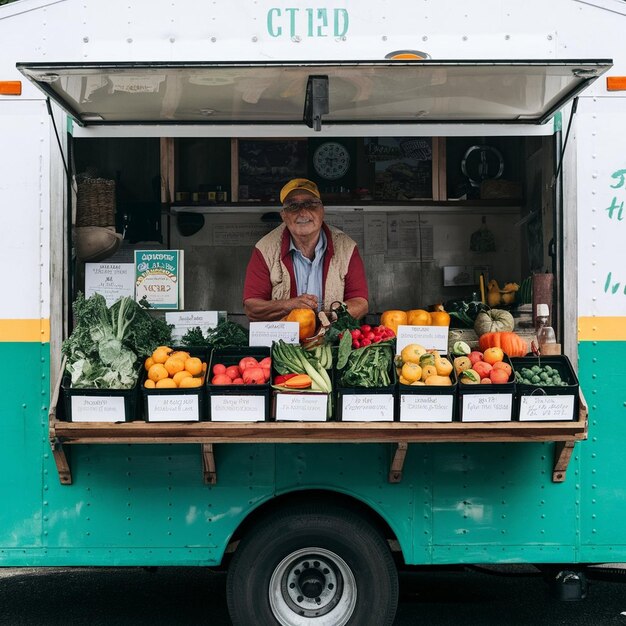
(426, 379)
(238, 387)
(547, 389)
(173, 385)
(302, 382)
(365, 375)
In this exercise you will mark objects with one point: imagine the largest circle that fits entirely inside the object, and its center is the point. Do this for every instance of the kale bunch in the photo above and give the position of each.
(106, 343)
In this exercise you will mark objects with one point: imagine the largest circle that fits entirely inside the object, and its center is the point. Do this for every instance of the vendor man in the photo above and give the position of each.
(303, 263)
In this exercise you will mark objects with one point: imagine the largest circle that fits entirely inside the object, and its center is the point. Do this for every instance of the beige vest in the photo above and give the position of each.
(343, 247)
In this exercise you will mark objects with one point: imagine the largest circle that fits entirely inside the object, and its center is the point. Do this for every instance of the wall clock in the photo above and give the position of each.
(331, 160)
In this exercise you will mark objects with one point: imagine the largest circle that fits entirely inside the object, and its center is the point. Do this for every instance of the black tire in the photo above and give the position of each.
(312, 558)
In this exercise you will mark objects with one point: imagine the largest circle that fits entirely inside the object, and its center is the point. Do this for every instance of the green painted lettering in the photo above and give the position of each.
(322, 22)
(292, 21)
(309, 16)
(621, 174)
(273, 31)
(616, 207)
(341, 22)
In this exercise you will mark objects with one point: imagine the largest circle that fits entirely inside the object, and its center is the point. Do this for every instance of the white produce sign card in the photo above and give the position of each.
(301, 407)
(171, 408)
(493, 407)
(266, 333)
(98, 409)
(546, 408)
(111, 280)
(375, 407)
(186, 320)
(230, 408)
(431, 337)
(426, 407)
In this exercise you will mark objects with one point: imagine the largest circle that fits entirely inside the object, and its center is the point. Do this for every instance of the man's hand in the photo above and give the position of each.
(259, 310)
(305, 301)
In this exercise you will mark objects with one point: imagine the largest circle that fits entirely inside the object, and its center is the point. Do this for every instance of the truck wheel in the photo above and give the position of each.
(318, 565)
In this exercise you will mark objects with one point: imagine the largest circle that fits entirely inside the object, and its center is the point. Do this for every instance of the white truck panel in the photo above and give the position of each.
(601, 191)
(24, 198)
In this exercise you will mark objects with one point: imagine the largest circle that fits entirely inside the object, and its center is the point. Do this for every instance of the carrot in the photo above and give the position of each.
(301, 381)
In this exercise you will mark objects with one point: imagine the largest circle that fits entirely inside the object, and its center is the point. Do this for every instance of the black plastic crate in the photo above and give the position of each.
(237, 403)
(488, 402)
(547, 403)
(427, 403)
(99, 405)
(175, 405)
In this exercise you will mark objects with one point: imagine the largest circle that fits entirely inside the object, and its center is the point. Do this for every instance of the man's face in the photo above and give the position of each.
(303, 213)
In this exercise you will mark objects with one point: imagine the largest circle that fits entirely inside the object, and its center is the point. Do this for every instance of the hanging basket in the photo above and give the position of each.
(95, 205)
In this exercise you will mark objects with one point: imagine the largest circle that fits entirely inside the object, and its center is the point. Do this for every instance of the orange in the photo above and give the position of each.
(166, 383)
(157, 372)
(440, 318)
(179, 354)
(148, 363)
(193, 365)
(190, 381)
(160, 355)
(149, 384)
(419, 317)
(174, 365)
(177, 378)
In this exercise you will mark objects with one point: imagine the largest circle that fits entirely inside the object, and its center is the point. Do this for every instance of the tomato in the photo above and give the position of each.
(266, 373)
(356, 344)
(238, 381)
(356, 333)
(248, 361)
(232, 371)
(366, 328)
(253, 376)
(365, 342)
(219, 368)
(266, 362)
(221, 379)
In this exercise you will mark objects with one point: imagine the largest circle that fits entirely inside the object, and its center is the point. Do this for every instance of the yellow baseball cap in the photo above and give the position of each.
(299, 183)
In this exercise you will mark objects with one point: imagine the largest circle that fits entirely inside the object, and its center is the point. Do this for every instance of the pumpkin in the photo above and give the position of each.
(393, 319)
(307, 320)
(440, 318)
(418, 317)
(510, 343)
(493, 321)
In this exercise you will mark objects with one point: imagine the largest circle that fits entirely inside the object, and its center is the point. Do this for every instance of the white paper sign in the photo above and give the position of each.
(265, 333)
(546, 408)
(173, 408)
(111, 280)
(98, 409)
(229, 408)
(492, 407)
(301, 407)
(375, 407)
(426, 408)
(186, 320)
(431, 337)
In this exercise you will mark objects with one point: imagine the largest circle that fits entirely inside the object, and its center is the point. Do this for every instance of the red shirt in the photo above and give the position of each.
(258, 284)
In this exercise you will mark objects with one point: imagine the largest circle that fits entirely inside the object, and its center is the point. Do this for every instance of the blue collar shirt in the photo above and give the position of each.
(309, 274)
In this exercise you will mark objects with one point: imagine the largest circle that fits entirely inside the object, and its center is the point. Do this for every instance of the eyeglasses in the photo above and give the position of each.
(294, 207)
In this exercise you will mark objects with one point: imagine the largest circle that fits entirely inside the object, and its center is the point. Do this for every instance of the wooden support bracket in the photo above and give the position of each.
(562, 454)
(208, 464)
(397, 463)
(61, 458)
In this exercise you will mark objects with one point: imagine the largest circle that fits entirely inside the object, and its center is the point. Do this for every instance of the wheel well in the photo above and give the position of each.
(292, 499)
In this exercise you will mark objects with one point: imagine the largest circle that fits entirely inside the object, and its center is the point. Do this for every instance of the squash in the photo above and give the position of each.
(493, 321)
(307, 320)
(440, 318)
(418, 317)
(510, 343)
(393, 319)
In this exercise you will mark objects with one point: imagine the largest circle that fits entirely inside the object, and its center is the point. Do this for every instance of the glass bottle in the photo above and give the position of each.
(545, 333)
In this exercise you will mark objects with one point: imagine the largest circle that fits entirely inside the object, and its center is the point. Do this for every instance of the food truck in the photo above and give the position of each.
(458, 145)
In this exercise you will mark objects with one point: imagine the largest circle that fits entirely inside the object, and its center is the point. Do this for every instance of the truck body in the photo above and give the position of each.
(457, 502)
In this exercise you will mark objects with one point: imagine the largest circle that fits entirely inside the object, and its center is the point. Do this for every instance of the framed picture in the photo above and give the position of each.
(265, 165)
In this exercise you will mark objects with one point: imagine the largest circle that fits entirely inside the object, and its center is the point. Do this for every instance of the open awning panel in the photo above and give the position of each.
(380, 92)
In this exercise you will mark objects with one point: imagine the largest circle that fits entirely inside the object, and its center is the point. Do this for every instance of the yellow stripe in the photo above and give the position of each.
(25, 330)
(602, 329)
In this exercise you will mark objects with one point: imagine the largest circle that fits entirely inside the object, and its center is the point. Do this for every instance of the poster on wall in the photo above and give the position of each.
(111, 280)
(159, 278)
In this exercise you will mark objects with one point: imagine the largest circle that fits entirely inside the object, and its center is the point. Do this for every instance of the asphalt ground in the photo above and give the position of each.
(194, 596)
